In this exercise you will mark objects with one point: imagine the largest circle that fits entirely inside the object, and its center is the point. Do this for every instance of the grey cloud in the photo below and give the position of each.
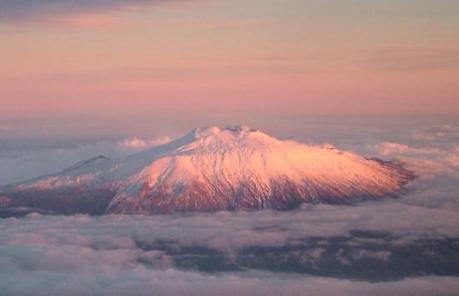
(36, 9)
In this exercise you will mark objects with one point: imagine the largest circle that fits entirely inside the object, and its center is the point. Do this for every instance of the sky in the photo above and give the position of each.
(76, 66)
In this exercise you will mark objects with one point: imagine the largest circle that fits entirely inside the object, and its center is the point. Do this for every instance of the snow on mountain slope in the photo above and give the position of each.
(212, 169)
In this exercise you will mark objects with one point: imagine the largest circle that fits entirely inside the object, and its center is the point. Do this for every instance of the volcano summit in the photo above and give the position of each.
(209, 169)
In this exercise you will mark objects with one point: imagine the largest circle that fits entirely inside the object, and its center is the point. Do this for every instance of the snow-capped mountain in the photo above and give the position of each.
(209, 169)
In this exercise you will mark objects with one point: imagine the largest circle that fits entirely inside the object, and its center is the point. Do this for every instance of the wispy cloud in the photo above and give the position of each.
(56, 9)
(137, 143)
(411, 59)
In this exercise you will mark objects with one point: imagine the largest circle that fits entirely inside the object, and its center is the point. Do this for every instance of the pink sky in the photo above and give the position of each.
(193, 58)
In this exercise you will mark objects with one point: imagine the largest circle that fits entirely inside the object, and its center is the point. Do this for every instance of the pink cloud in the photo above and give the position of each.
(85, 20)
(390, 148)
(138, 143)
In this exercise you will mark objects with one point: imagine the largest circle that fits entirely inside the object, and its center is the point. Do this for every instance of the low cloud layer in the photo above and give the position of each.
(140, 281)
(174, 282)
(264, 253)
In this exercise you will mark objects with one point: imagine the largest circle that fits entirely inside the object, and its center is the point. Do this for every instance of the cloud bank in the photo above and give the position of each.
(174, 282)
(264, 253)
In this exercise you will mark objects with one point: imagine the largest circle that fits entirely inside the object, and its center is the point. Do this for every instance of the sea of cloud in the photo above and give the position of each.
(140, 255)
(142, 281)
(119, 255)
